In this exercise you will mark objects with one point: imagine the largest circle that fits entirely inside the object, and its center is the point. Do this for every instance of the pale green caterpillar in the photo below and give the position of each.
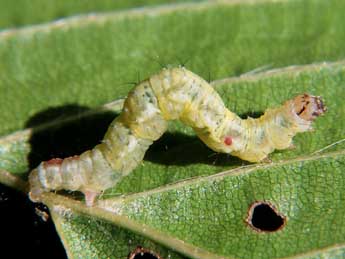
(170, 95)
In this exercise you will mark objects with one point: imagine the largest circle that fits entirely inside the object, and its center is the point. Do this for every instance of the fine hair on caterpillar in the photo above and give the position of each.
(172, 94)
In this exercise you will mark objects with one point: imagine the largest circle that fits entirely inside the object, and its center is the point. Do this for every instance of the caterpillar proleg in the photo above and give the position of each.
(173, 94)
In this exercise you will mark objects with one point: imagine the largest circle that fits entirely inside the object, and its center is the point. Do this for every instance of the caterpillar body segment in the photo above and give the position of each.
(170, 95)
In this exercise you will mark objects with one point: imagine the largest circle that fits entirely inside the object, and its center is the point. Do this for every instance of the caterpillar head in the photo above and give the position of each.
(274, 130)
(309, 107)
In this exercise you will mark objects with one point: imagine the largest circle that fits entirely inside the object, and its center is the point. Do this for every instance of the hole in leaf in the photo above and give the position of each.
(263, 216)
(142, 253)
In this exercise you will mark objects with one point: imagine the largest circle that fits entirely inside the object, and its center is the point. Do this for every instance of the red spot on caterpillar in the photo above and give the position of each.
(54, 161)
(228, 140)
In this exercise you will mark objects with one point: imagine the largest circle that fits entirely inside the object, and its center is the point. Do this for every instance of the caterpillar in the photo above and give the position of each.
(172, 94)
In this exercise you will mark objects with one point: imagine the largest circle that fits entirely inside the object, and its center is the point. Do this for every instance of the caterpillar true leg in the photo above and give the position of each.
(173, 94)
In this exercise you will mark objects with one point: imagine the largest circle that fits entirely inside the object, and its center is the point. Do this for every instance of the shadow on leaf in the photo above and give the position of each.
(67, 137)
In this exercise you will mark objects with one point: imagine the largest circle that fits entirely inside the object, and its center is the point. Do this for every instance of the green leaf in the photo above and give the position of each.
(195, 205)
